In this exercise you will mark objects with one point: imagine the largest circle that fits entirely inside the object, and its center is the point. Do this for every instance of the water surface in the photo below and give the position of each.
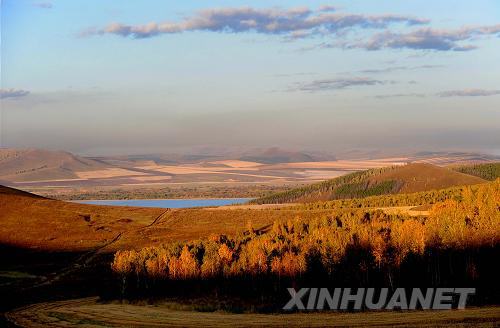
(168, 203)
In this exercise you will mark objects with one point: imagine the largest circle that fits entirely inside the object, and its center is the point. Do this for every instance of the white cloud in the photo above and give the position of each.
(429, 39)
(291, 22)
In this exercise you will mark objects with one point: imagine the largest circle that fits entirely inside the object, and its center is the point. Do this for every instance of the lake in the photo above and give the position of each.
(168, 203)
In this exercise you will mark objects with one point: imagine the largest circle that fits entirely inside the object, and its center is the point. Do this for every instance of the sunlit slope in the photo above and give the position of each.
(400, 179)
(30, 221)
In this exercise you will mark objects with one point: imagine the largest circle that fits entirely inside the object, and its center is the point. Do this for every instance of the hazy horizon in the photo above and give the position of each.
(95, 77)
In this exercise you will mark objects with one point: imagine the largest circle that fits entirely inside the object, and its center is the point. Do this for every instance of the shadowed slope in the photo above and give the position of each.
(16, 192)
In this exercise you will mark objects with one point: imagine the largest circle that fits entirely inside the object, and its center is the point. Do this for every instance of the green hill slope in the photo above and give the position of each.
(408, 178)
(487, 171)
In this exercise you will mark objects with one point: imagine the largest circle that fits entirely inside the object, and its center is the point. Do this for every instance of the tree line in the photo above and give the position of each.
(410, 199)
(351, 185)
(487, 171)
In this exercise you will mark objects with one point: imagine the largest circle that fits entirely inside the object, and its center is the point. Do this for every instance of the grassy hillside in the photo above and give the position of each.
(399, 179)
(30, 221)
(38, 164)
(33, 221)
(487, 171)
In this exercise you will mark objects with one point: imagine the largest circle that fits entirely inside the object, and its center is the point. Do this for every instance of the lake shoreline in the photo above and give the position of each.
(82, 201)
(168, 203)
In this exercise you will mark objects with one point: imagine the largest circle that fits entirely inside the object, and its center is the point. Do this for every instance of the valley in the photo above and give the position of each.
(257, 173)
(58, 253)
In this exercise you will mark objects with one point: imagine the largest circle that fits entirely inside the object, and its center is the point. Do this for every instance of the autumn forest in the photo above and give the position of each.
(453, 245)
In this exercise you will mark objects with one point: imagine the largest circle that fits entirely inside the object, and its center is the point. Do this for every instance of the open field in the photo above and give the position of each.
(61, 173)
(88, 312)
(107, 173)
(217, 173)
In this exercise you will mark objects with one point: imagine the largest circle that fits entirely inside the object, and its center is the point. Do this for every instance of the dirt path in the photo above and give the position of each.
(88, 312)
(88, 257)
(157, 219)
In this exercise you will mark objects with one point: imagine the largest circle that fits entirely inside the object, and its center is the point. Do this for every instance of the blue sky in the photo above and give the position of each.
(146, 76)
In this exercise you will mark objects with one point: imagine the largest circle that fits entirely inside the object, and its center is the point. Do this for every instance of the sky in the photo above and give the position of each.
(127, 77)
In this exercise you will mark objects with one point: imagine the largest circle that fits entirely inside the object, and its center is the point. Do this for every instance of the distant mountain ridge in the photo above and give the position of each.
(271, 155)
(46, 166)
(38, 164)
(276, 155)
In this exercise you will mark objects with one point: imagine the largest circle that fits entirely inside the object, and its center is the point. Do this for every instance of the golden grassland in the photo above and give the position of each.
(40, 223)
(107, 173)
(46, 224)
(421, 177)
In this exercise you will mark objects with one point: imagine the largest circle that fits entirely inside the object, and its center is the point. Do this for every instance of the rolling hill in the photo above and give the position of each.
(38, 164)
(270, 155)
(59, 172)
(409, 178)
(33, 222)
